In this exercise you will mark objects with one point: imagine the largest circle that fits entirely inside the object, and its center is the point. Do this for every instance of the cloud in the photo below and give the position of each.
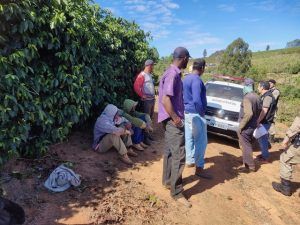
(170, 4)
(251, 20)
(156, 16)
(266, 5)
(194, 38)
(138, 8)
(226, 8)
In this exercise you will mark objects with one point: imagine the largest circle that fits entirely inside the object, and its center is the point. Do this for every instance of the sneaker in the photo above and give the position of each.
(261, 159)
(167, 186)
(138, 147)
(144, 145)
(125, 159)
(246, 169)
(190, 165)
(183, 201)
(130, 152)
(200, 172)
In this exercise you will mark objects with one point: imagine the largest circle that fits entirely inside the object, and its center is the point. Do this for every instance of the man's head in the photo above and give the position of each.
(272, 83)
(181, 57)
(263, 86)
(199, 66)
(248, 86)
(149, 64)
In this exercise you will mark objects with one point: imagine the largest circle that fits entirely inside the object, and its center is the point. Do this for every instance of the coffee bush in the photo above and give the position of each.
(61, 61)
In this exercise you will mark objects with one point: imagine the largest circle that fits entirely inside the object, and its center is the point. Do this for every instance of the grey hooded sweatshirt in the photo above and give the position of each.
(105, 124)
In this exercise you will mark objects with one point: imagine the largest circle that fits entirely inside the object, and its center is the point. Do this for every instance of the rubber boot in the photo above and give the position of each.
(284, 187)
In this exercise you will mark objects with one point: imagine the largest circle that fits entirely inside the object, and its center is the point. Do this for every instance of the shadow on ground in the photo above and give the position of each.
(99, 172)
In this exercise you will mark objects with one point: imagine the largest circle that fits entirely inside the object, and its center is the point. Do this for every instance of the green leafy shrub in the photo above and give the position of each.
(61, 61)
(236, 59)
(294, 69)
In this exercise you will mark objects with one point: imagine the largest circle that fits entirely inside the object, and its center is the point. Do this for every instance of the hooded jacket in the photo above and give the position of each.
(105, 124)
(134, 116)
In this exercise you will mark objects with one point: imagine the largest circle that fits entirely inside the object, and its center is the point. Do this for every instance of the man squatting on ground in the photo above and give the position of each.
(276, 94)
(144, 88)
(194, 96)
(171, 114)
(265, 118)
(141, 123)
(108, 135)
(289, 158)
(249, 113)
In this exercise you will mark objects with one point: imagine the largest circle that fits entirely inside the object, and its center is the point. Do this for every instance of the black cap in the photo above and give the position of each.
(199, 64)
(272, 81)
(181, 52)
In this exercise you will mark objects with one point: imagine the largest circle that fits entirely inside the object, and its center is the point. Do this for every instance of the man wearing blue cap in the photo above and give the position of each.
(249, 113)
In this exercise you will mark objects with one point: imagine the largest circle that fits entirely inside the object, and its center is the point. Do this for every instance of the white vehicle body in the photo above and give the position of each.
(223, 106)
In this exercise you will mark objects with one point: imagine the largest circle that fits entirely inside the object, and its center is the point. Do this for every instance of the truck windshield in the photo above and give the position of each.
(224, 91)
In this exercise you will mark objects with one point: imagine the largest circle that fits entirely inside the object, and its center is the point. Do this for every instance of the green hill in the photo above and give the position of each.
(283, 65)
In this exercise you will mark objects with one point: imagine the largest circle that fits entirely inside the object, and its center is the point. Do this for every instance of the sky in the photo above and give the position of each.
(211, 24)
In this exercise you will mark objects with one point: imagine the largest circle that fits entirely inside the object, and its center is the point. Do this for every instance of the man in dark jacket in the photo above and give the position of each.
(250, 109)
(265, 118)
(276, 94)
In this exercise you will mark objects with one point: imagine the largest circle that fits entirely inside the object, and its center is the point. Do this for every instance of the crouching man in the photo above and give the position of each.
(108, 135)
(289, 158)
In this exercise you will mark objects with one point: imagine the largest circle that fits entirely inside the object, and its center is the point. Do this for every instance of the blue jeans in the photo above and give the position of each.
(195, 138)
(138, 133)
(264, 143)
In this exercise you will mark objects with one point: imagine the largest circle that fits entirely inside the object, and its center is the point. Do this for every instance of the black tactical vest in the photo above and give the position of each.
(269, 118)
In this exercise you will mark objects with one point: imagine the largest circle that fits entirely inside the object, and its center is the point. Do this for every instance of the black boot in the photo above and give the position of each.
(284, 187)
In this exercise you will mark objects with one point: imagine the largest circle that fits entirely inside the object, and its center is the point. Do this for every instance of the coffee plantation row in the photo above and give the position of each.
(61, 61)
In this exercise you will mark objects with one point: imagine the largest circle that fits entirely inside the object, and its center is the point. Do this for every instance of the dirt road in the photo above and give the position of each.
(112, 193)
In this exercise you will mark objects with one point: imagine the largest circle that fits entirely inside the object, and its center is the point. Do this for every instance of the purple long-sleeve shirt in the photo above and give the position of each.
(194, 94)
(171, 85)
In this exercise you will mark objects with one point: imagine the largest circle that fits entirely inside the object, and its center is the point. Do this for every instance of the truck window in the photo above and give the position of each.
(225, 92)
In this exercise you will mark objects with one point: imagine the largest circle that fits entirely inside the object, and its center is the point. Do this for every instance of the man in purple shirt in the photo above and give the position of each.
(171, 113)
(194, 95)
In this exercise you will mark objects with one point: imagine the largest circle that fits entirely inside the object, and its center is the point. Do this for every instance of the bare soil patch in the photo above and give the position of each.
(113, 193)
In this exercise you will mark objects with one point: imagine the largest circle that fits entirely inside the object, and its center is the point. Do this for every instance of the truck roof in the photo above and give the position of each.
(226, 83)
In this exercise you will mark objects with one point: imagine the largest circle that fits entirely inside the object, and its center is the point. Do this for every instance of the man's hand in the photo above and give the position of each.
(127, 132)
(285, 142)
(149, 129)
(128, 126)
(178, 122)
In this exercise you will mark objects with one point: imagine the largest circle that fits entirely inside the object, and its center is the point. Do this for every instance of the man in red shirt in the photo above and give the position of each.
(144, 87)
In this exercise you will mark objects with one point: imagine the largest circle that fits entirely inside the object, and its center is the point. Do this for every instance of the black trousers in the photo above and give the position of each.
(147, 106)
(174, 158)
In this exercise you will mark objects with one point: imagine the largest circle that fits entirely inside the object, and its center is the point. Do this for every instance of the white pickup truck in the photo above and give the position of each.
(223, 106)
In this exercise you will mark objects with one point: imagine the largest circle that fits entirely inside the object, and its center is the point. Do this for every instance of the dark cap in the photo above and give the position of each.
(248, 82)
(181, 52)
(272, 81)
(199, 64)
(149, 62)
